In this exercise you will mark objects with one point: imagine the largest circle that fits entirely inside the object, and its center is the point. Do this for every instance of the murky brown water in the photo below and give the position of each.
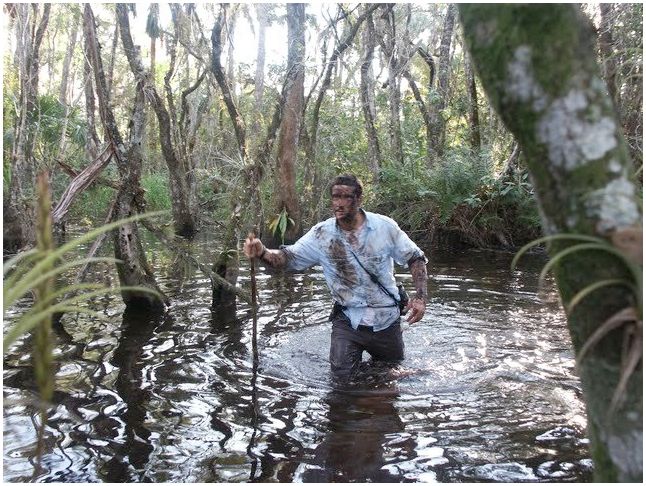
(487, 391)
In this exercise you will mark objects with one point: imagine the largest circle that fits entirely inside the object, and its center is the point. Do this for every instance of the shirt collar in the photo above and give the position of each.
(368, 220)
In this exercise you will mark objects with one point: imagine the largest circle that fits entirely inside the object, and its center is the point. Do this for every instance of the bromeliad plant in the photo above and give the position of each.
(34, 273)
(630, 318)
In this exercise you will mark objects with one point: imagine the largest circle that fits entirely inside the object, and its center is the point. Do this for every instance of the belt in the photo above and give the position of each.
(364, 328)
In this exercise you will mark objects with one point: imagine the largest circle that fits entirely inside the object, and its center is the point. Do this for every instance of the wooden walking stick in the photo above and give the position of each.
(252, 273)
(254, 304)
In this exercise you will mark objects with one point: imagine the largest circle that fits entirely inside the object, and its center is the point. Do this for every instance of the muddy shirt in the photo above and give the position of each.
(378, 243)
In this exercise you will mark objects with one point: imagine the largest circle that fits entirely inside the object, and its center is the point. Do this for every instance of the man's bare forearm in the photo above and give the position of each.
(274, 258)
(420, 279)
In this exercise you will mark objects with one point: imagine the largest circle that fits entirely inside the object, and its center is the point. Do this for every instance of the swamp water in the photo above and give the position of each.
(487, 392)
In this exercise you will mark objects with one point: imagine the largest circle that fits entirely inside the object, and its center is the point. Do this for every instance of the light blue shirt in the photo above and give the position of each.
(378, 243)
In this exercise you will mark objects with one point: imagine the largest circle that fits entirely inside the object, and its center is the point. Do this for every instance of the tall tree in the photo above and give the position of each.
(607, 55)
(262, 12)
(65, 77)
(154, 32)
(67, 62)
(285, 184)
(184, 218)
(472, 97)
(388, 39)
(18, 229)
(538, 67)
(134, 269)
(441, 96)
(311, 134)
(368, 96)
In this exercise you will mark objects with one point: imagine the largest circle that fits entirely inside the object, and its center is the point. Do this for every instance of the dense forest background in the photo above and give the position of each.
(298, 94)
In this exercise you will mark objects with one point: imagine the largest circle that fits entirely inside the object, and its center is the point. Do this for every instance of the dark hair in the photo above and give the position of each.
(348, 180)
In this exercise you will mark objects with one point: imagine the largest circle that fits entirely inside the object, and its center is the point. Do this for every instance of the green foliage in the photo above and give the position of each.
(92, 204)
(280, 224)
(456, 180)
(50, 121)
(157, 192)
(403, 195)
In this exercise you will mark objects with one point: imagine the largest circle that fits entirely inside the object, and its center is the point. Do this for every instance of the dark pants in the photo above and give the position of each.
(347, 344)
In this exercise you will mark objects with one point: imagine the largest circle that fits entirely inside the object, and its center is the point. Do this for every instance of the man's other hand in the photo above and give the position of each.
(415, 309)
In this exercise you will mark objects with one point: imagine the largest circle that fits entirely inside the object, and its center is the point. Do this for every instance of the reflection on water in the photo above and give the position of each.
(487, 391)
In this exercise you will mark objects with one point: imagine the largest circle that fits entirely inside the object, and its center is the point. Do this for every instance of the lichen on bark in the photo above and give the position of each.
(537, 64)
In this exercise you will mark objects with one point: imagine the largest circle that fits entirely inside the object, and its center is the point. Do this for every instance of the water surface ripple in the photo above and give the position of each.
(487, 391)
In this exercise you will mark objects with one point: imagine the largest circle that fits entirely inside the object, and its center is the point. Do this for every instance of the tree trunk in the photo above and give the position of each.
(78, 184)
(67, 62)
(231, 29)
(220, 77)
(113, 55)
(426, 107)
(285, 185)
(18, 227)
(92, 138)
(368, 97)
(443, 70)
(65, 79)
(537, 64)
(183, 214)
(134, 269)
(474, 119)
(389, 44)
(227, 264)
(259, 83)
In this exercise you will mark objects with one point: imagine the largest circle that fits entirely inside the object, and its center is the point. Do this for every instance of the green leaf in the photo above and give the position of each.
(545, 239)
(595, 286)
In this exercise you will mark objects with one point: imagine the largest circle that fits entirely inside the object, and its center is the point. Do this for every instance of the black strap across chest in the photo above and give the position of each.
(373, 277)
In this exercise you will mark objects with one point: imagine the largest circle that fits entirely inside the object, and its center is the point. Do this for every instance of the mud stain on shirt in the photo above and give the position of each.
(339, 258)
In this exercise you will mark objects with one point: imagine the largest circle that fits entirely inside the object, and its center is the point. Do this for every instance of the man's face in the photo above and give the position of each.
(345, 204)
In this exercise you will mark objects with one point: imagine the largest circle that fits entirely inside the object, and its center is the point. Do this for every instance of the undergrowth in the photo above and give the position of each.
(462, 196)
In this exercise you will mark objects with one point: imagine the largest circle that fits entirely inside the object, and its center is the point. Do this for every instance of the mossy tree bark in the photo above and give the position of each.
(537, 65)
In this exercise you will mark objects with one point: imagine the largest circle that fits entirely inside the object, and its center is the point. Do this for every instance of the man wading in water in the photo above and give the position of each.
(356, 249)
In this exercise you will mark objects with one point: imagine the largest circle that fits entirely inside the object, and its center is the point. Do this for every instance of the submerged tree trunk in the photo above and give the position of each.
(537, 64)
(227, 264)
(134, 269)
(18, 227)
(285, 184)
